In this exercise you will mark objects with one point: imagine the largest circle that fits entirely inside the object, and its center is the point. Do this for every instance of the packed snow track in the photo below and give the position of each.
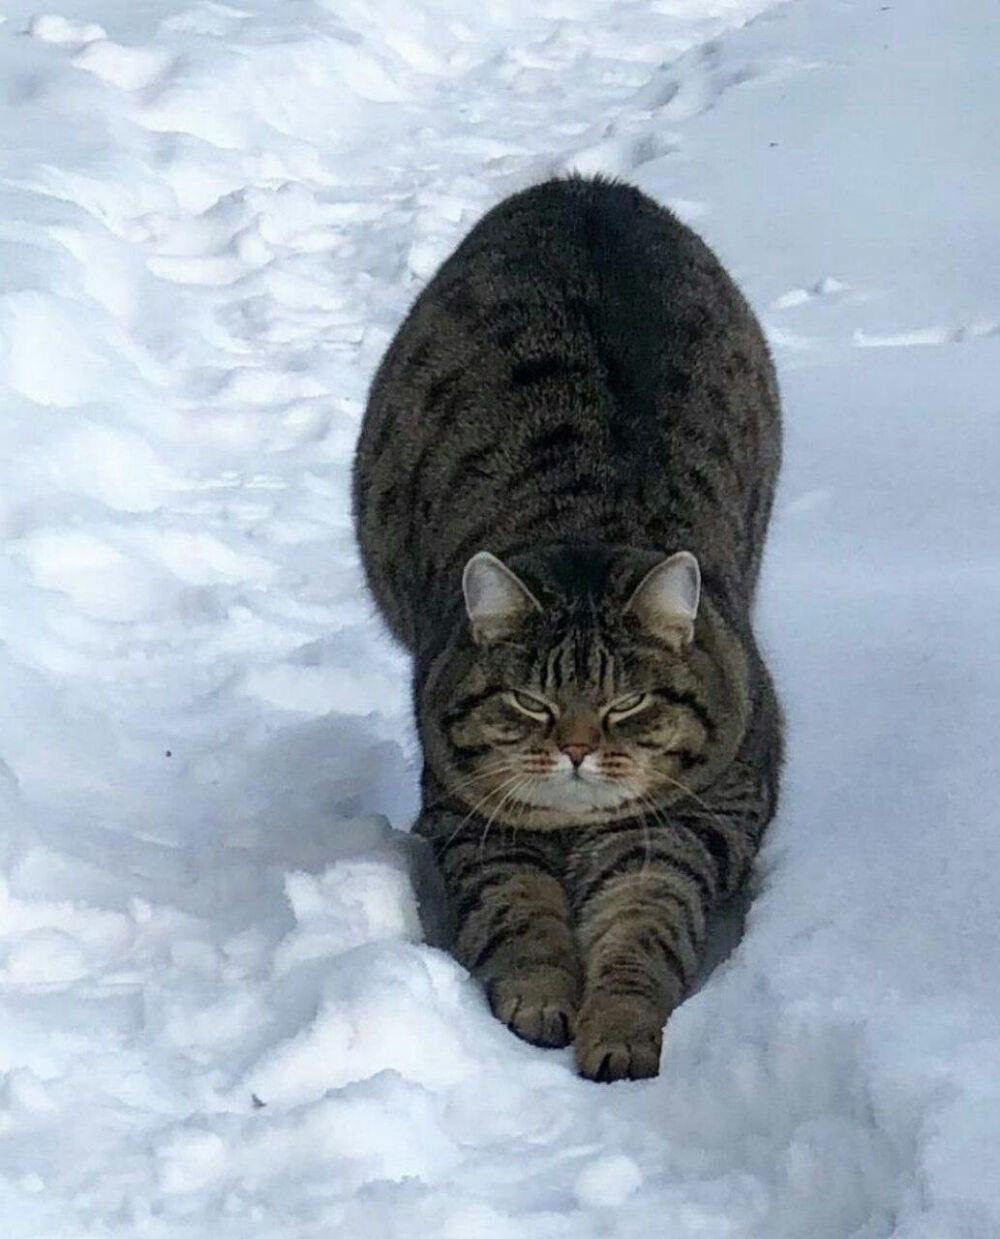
(218, 1015)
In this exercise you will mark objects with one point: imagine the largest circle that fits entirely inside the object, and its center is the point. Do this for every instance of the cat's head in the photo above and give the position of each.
(585, 686)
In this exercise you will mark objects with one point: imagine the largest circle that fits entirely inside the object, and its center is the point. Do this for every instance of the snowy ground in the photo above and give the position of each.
(216, 1017)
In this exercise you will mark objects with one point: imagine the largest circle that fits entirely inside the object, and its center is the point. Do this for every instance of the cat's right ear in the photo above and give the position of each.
(496, 600)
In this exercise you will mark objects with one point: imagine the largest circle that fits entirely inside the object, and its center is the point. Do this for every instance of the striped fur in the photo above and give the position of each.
(582, 392)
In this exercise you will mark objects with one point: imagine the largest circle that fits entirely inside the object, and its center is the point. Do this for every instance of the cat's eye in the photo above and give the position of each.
(535, 707)
(627, 705)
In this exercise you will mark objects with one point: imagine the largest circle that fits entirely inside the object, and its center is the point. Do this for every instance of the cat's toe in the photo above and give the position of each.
(606, 1062)
(548, 1025)
(609, 1048)
(545, 1020)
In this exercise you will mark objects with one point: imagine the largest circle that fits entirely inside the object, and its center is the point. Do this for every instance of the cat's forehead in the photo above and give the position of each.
(564, 660)
(579, 656)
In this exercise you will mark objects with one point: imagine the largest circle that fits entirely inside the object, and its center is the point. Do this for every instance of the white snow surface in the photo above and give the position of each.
(217, 1014)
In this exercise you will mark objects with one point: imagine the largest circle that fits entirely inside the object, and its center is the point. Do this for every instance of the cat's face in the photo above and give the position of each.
(583, 710)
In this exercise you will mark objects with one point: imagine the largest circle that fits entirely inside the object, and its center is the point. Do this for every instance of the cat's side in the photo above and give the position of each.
(562, 488)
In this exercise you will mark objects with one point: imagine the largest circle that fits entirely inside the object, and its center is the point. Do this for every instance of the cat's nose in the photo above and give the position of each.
(577, 752)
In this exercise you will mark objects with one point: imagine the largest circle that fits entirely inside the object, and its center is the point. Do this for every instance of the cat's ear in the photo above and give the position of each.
(666, 599)
(497, 601)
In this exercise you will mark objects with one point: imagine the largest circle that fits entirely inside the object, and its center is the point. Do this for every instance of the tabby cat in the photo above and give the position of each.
(561, 489)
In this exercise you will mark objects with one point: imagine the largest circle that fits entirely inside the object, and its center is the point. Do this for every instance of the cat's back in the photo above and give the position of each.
(581, 368)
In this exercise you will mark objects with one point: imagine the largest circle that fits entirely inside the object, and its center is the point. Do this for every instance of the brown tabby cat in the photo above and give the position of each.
(562, 487)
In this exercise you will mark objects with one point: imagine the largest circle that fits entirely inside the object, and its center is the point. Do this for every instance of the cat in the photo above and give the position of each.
(561, 490)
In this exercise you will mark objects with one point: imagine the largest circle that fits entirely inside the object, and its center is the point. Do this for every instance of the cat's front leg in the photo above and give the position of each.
(512, 923)
(641, 896)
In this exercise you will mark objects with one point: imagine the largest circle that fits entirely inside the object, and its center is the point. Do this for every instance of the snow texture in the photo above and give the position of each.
(217, 1013)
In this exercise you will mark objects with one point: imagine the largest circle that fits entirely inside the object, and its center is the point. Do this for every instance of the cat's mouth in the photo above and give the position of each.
(577, 789)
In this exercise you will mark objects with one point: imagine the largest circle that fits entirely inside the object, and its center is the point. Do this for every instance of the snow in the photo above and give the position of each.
(607, 1182)
(217, 1011)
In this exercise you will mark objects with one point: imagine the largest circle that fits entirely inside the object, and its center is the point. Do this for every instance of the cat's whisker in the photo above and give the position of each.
(524, 806)
(504, 766)
(494, 791)
(508, 795)
(651, 809)
(645, 804)
(649, 845)
(694, 796)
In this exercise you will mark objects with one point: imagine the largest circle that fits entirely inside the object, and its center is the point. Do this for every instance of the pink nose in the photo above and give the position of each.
(577, 752)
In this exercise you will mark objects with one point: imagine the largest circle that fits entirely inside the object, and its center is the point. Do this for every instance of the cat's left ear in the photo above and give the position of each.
(496, 600)
(666, 599)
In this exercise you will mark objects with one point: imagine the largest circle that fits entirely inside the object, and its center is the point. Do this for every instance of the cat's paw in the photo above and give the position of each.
(617, 1044)
(540, 1007)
